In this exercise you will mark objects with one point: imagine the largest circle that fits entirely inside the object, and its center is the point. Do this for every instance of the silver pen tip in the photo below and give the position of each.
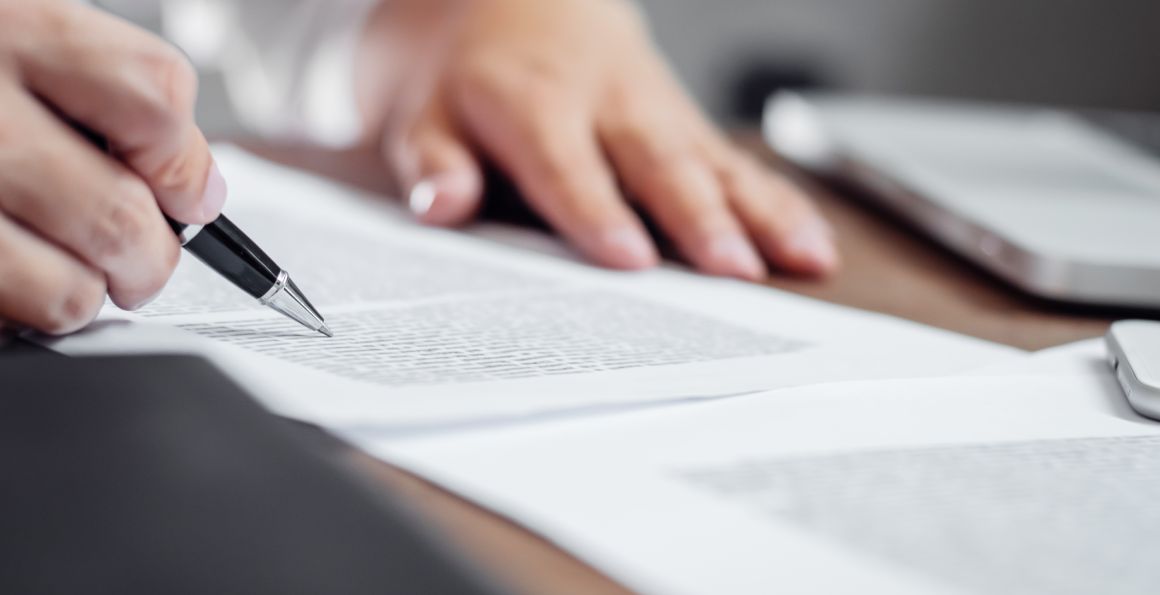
(285, 297)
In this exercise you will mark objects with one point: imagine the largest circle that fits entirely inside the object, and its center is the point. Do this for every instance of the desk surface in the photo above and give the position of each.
(887, 269)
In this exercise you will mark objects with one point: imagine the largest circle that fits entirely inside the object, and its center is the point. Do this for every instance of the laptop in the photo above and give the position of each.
(1064, 205)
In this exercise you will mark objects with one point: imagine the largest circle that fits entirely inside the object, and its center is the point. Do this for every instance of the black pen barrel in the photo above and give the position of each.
(226, 249)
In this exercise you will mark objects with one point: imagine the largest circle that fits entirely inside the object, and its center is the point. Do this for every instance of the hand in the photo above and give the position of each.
(572, 101)
(75, 223)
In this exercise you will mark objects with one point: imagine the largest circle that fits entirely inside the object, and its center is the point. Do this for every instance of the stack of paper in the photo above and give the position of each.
(1004, 484)
(535, 385)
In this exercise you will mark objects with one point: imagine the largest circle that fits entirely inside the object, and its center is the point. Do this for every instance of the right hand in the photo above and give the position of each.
(75, 223)
(573, 101)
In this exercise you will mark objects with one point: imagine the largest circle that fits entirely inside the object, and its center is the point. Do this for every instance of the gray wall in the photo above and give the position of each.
(1081, 52)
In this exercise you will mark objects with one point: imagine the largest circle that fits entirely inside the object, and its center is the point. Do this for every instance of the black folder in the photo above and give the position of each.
(157, 475)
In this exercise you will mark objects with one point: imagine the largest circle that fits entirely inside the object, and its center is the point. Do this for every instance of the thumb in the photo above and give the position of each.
(440, 175)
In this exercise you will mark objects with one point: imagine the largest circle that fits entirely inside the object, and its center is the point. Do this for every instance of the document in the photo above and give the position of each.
(436, 328)
(1082, 357)
(1017, 484)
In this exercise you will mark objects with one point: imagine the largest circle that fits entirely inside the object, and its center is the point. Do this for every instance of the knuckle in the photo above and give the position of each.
(646, 147)
(541, 119)
(521, 82)
(742, 175)
(542, 92)
(666, 169)
(21, 20)
(178, 176)
(627, 108)
(123, 221)
(74, 307)
(555, 152)
(175, 76)
(662, 160)
(164, 83)
(60, 27)
(481, 80)
(551, 161)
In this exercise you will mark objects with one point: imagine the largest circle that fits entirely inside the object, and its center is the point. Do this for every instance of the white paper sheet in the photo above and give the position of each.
(437, 327)
(1082, 357)
(988, 485)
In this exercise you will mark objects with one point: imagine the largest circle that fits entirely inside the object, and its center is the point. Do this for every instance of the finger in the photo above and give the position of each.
(781, 218)
(552, 154)
(441, 176)
(136, 91)
(66, 191)
(550, 150)
(44, 288)
(567, 181)
(683, 194)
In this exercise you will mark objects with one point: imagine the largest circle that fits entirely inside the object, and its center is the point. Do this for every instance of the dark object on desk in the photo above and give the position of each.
(158, 475)
(13, 346)
(504, 203)
(759, 78)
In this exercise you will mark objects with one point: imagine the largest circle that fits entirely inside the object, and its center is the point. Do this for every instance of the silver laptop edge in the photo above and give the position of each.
(795, 129)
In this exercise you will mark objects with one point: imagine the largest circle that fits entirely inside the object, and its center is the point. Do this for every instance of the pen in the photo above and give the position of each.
(226, 249)
(233, 255)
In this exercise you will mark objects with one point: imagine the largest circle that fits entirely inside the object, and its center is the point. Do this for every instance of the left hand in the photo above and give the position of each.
(571, 99)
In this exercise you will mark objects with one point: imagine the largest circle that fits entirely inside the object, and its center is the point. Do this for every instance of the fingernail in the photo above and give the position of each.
(815, 241)
(422, 197)
(451, 188)
(215, 194)
(734, 255)
(627, 248)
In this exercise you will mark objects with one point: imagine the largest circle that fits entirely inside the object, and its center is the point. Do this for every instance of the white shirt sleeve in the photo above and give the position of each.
(288, 65)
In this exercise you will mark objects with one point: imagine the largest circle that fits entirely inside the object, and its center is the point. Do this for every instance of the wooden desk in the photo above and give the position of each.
(888, 269)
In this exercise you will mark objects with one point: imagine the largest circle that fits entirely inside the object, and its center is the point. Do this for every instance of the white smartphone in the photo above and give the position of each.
(1134, 352)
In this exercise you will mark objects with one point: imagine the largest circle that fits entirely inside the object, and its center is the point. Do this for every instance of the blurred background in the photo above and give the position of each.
(734, 53)
(1087, 53)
